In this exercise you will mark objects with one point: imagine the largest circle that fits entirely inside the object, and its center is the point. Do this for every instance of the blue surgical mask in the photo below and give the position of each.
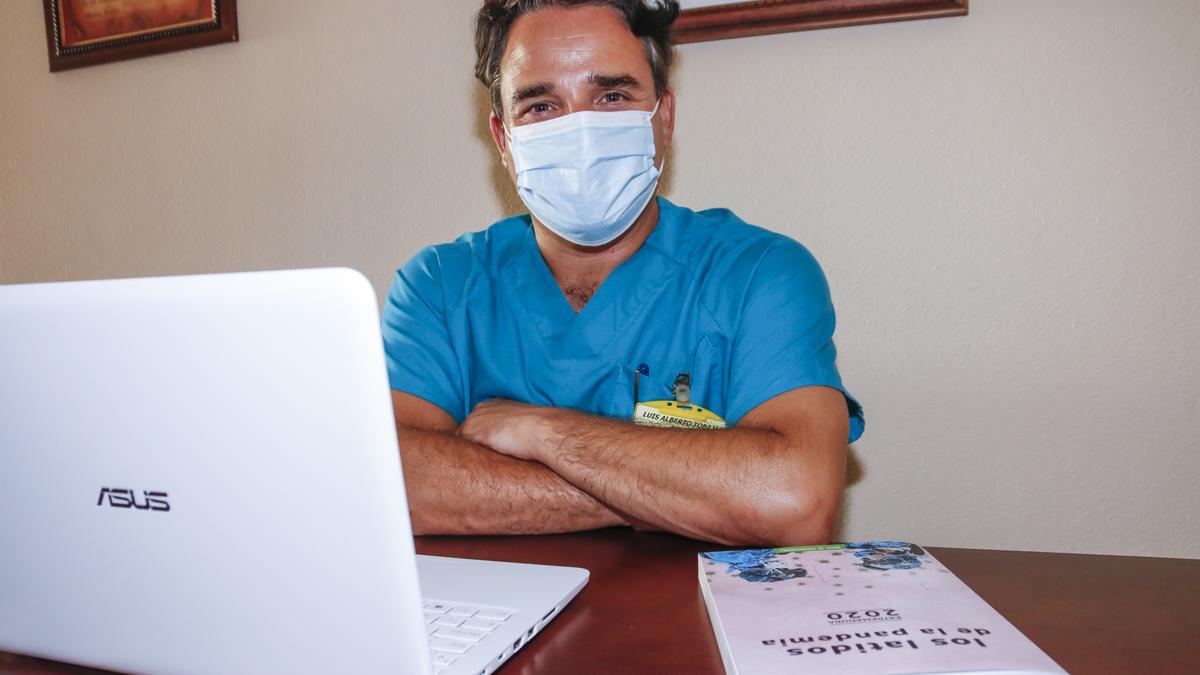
(588, 175)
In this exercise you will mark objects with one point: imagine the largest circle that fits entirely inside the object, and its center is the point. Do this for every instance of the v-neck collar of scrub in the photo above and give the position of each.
(629, 288)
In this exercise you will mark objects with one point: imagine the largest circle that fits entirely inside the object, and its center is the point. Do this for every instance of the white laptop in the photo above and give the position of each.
(200, 475)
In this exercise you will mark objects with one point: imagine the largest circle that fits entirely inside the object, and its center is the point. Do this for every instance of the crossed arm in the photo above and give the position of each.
(776, 478)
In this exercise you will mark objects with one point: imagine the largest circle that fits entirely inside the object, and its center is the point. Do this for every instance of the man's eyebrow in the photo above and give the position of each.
(624, 80)
(532, 91)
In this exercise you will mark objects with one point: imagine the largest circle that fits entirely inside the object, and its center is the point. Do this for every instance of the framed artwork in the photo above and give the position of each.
(703, 20)
(87, 32)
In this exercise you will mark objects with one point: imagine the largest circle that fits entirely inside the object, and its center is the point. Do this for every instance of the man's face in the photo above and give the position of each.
(562, 60)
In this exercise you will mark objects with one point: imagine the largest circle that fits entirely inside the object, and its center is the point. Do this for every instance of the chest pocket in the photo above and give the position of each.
(704, 364)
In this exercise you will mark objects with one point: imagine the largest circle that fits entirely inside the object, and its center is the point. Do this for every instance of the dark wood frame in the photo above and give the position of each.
(223, 29)
(742, 19)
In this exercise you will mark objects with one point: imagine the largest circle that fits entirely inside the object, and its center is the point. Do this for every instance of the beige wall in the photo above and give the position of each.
(1006, 206)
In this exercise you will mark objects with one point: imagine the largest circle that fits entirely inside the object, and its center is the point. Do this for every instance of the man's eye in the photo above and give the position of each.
(539, 108)
(614, 97)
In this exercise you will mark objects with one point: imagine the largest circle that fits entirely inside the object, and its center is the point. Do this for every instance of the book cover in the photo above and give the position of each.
(867, 607)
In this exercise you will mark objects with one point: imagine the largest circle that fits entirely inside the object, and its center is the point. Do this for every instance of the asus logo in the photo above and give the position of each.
(122, 498)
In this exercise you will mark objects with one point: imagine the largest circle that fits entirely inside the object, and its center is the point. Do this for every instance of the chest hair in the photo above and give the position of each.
(579, 291)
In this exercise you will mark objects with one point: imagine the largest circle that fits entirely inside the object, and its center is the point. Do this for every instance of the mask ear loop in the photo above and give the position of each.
(654, 112)
(508, 145)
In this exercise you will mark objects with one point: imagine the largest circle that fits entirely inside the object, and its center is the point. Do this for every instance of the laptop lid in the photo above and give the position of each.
(200, 474)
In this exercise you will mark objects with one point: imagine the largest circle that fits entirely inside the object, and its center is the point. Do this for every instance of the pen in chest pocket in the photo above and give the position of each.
(642, 369)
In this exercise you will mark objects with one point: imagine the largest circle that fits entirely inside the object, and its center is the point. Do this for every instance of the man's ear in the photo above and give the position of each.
(497, 127)
(666, 116)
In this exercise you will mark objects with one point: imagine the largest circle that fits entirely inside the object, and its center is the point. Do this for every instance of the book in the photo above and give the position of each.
(866, 607)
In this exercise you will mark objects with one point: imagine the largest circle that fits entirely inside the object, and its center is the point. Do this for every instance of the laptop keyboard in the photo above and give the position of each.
(453, 628)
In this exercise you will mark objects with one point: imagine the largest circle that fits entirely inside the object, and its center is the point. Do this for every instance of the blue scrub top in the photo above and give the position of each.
(746, 312)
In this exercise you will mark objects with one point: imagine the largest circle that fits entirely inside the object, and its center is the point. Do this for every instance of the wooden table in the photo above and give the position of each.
(642, 611)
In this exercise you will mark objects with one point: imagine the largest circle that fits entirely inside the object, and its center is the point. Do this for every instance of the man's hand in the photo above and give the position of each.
(520, 430)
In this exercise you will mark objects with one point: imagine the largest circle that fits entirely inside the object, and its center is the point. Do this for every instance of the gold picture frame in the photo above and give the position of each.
(87, 32)
(702, 20)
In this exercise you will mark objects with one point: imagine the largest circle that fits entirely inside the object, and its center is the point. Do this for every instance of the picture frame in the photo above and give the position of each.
(89, 32)
(703, 20)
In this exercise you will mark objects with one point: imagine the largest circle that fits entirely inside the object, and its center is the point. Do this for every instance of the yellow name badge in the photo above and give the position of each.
(676, 414)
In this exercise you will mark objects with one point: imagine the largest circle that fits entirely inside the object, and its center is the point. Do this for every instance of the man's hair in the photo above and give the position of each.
(649, 21)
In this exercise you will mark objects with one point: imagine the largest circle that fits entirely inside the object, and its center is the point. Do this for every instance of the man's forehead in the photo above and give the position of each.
(570, 43)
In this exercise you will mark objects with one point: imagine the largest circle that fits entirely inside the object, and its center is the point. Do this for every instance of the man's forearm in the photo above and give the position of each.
(457, 487)
(737, 486)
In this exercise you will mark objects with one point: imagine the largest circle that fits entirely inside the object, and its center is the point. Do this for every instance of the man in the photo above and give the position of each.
(513, 353)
